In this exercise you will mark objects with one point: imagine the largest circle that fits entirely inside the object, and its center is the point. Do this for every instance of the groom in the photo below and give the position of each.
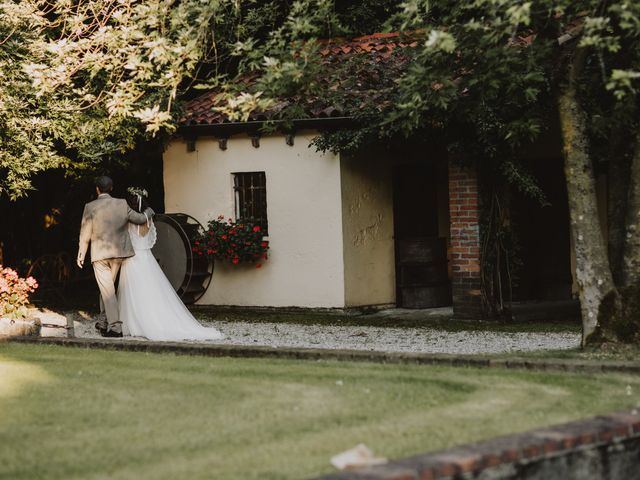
(104, 224)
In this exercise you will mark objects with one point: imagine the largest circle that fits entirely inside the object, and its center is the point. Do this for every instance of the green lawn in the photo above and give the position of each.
(69, 413)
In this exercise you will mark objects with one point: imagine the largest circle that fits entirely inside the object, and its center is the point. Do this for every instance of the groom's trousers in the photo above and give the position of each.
(106, 272)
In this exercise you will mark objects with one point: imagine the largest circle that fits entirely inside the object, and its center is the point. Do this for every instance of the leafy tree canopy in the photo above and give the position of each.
(83, 82)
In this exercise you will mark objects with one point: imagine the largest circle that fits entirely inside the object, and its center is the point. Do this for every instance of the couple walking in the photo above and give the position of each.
(121, 233)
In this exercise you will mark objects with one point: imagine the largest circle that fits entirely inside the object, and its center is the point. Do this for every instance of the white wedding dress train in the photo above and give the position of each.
(149, 306)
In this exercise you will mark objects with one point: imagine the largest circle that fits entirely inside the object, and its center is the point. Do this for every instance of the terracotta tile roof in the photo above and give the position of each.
(383, 43)
(379, 47)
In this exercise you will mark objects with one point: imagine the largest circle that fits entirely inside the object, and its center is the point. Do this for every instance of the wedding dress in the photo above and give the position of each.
(149, 306)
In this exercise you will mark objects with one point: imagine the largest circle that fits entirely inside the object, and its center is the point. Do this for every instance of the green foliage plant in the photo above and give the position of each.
(14, 293)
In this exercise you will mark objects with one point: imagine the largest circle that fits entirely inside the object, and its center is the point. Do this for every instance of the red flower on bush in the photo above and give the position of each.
(234, 242)
(14, 293)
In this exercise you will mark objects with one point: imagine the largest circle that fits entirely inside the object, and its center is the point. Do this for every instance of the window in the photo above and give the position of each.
(250, 190)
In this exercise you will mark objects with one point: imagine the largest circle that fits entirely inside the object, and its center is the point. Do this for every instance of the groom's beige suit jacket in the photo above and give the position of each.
(104, 225)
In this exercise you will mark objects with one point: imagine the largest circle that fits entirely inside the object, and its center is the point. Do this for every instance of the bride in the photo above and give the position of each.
(149, 306)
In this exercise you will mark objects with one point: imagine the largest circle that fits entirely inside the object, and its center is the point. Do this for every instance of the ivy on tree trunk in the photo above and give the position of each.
(631, 260)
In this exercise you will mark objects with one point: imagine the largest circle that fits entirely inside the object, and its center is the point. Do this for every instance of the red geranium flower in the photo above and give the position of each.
(235, 260)
(256, 228)
(264, 244)
(223, 237)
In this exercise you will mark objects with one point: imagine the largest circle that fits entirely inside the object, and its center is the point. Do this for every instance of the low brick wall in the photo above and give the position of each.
(602, 447)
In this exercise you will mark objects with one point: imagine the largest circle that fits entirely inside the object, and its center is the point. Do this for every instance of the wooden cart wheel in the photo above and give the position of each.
(52, 271)
(189, 274)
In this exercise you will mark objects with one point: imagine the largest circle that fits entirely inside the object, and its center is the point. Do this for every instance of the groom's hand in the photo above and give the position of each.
(80, 262)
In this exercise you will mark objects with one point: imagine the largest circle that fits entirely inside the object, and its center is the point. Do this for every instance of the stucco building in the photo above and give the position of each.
(394, 225)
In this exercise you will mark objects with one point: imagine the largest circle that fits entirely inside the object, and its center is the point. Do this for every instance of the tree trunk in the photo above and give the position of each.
(631, 261)
(592, 263)
(619, 317)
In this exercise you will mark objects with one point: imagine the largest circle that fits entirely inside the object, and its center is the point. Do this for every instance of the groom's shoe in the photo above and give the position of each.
(101, 328)
(111, 333)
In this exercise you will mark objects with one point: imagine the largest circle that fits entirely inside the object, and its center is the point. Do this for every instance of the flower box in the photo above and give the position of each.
(234, 242)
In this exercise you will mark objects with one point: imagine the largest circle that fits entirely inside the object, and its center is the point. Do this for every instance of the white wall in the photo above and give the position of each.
(305, 267)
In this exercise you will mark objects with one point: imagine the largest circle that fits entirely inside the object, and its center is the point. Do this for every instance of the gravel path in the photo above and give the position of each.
(425, 340)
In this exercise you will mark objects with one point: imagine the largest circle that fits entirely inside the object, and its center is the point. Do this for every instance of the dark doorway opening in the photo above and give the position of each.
(543, 237)
(421, 255)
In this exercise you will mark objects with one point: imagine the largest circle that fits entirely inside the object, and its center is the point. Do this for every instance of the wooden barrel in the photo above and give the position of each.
(189, 274)
(422, 276)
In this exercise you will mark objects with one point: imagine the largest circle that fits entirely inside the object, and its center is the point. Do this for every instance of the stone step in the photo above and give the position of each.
(19, 328)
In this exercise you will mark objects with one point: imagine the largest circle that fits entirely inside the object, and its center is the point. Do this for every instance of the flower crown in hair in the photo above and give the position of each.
(141, 192)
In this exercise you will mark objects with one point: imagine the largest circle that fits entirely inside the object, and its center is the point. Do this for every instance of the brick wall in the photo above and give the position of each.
(603, 447)
(465, 241)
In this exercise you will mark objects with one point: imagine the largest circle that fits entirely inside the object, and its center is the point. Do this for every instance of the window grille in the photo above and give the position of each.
(250, 190)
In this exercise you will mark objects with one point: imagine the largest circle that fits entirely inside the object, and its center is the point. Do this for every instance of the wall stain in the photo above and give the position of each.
(368, 233)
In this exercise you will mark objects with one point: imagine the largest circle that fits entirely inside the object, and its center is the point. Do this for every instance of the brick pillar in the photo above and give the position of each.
(465, 241)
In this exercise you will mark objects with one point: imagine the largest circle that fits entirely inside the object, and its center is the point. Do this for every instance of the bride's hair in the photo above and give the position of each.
(134, 202)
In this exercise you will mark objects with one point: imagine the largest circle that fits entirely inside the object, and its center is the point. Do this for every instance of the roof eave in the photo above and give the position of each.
(227, 129)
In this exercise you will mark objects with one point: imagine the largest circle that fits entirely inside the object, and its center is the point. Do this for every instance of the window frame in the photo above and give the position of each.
(250, 195)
